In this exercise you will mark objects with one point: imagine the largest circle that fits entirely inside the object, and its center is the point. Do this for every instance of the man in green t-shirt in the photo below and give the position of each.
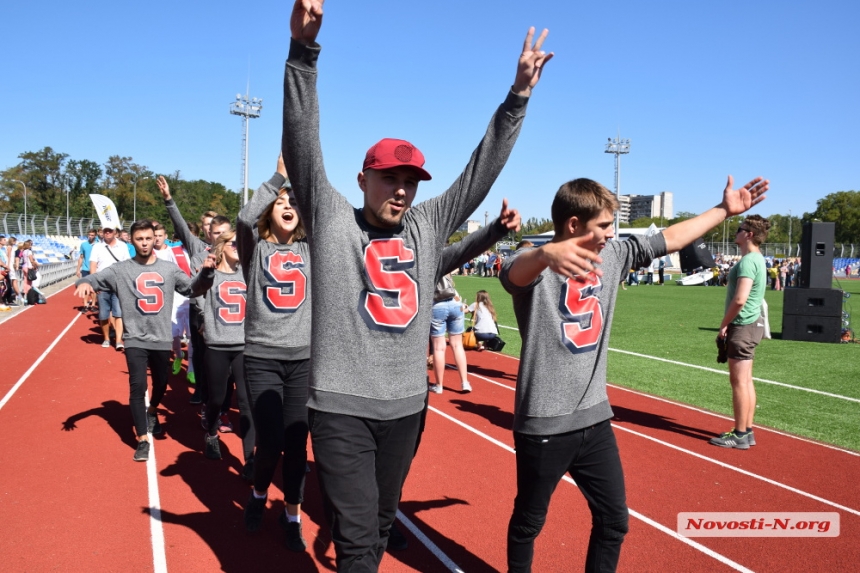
(742, 328)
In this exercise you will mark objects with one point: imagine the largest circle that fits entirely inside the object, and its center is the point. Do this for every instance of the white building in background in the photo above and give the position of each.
(470, 226)
(634, 207)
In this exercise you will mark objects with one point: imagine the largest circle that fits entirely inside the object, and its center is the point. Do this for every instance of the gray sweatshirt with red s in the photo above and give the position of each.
(278, 321)
(146, 298)
(373, 287)
(223, 309)
(565, 325)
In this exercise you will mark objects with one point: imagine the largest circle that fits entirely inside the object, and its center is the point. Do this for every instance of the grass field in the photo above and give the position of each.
(680, 324)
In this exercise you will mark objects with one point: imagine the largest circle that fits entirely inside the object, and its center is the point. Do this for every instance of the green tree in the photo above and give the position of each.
(842, 208)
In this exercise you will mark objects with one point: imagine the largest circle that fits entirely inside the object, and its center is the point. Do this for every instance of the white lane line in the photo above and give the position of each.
(9, 317)
(38, 361)
(711, 553)
(434, 549)
(723, 372)
(697, 410)
(714, 461)
(741, 471)
(714, 414)
(156, 528)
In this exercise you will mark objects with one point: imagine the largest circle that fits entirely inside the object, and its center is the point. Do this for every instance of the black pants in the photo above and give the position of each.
(361, 464)
(221, 365)
(660, 273)
(159, 363)
(591, 457)
(278, 390)
(199, 355)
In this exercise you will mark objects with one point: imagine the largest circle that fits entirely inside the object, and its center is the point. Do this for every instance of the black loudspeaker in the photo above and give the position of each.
(696, 255)
(812, 302)
(816, 255)
(811, 328)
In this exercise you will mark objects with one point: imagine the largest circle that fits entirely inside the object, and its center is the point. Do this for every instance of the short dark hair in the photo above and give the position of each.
(219, 220)
(759, 226)
(158, 227)
(581, 198)
(92, 231)
(142, 225)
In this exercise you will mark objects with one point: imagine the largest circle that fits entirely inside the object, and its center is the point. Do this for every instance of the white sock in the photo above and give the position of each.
(258, 496)
(293, 518)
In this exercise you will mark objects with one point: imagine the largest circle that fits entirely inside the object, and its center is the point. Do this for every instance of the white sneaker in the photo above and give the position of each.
(436, 388)
(467, 387)
(106, 344)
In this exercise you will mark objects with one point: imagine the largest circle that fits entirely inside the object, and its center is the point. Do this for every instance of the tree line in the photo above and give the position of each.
(49, 175)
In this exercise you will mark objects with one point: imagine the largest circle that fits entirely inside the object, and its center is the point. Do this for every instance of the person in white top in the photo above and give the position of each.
(180, 314)
(484, 316)
(104, 254)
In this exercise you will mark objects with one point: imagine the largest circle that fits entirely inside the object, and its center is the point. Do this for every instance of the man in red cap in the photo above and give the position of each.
(375, 269)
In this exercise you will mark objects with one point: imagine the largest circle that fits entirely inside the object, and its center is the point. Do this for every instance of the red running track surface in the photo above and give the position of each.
(73, 500)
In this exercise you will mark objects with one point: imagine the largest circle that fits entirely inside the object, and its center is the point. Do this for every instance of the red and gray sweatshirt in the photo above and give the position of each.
(373, 287)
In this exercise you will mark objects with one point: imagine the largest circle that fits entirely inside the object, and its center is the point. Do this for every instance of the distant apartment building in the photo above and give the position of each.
(632, 207)
(470, 227)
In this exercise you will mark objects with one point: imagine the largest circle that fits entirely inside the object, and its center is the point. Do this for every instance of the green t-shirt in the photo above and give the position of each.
(750, 266)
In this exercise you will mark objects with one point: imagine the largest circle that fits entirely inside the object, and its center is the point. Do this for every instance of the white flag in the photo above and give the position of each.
(106, 210)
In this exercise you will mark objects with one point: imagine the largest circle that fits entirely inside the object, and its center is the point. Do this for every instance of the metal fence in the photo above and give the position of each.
(51, 273)
(14, 224)
(783, 250)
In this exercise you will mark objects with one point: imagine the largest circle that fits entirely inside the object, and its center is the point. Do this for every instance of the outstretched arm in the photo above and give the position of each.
(191, 243)
(458, 254)
(246, 222)
(450, 209)
(735, 202)
(568, 258)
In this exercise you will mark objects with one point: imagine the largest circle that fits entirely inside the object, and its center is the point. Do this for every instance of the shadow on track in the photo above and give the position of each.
(493, 414)
(649, 420)
(117, 416)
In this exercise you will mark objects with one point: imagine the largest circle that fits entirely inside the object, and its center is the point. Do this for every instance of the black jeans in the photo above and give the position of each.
(198, 357)
(279, 394)
(221, 365)
(591, 457)
(159, 363)
(361, 464)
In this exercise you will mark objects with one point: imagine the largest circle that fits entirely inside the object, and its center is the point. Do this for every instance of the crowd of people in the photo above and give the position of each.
(18, 272)
(318, 314)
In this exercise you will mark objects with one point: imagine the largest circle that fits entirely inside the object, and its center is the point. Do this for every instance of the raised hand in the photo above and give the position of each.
(570, 259)
(163, 187)
(531, 63)
(305, 20)
(210, 262)
(738, 201)
(510, 218)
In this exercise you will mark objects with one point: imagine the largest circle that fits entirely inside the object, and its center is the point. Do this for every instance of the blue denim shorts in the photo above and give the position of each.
(447, 317)
(108, 305)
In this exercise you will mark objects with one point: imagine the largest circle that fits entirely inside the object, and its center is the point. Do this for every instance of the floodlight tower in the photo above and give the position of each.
(248, 109)
(618, 147)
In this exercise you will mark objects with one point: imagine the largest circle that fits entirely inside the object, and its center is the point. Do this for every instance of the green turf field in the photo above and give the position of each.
(680, 324)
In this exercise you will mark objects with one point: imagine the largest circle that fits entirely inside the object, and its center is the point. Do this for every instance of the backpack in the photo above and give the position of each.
(35, 297)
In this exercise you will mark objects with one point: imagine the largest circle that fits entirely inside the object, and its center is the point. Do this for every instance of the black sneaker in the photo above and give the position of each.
(248, 471)
(292, 534)
(396, 540)
(195, 398)
(141, 454)
(153, 426)
(212, 447)
(254, 512)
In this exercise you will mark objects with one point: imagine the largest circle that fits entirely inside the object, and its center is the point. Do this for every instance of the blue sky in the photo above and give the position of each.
(701, 90)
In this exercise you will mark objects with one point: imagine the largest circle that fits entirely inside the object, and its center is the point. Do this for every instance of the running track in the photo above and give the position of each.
(73, 500)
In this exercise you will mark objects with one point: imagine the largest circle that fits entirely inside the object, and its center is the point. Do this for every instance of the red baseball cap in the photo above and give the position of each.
(388, 153)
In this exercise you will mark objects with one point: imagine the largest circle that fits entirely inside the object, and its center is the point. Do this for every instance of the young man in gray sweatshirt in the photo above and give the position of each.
(375, 269)
(145, 287)
(564, 299)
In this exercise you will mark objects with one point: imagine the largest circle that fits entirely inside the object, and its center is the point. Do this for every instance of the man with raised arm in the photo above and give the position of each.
(562, 413)
(372, 304)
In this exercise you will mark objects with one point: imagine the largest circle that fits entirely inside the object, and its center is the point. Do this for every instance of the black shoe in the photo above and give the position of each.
(153, 426)
(195, 398)
(248, 471)
(212, 447)
(141, 454)
(254, 512)
(293, 534)
(396, 540)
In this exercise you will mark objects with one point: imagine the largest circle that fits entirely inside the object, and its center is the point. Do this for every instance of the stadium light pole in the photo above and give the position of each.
(618, 147)
(134, 209)
(789, 232)
(25, 203)
(248, 109)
